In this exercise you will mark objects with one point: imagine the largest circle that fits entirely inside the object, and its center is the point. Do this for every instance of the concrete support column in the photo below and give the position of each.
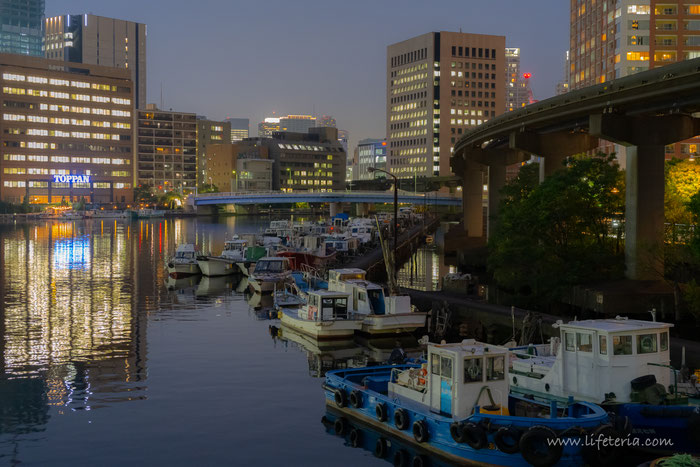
(497, 180)
(472, 199)
(335, 209)
(644, 224)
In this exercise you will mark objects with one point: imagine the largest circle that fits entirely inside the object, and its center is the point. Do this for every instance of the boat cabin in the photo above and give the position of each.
(235, 245)
(594, 360)
(456, 379)
(186, 251)
(366, 297)
(323, 305)
(272, 265)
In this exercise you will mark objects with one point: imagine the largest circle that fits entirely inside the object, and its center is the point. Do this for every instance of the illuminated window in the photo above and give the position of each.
(37, 79)
(638, 56)
(14, 157)
(13, 117)
(59, 82)
(38, 158)
(100, 99)
(14, 183)
(19, 91)
(12, 77)
(63, 159)
(80, 97)
(59, 95)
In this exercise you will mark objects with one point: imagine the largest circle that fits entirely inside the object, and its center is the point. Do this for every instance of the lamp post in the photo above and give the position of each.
(235, 174)
(396, 209)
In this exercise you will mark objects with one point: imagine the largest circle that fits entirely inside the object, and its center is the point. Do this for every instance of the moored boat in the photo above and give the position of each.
(228, 262)
(270, 272)
(324, 316)
(184, 262)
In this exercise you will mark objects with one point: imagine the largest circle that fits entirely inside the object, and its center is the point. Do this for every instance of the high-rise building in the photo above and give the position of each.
(439, 85)
(240, 128)
(563, 85)
(328, 121)
(370, 153)
(209, 132)
(268, 126)
(166, 145)
(21, 24)
(98, 40)
(291, 123)
(67, 132)
(240, 166)
(518, 91)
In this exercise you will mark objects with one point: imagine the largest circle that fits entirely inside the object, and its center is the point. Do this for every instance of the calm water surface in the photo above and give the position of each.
(105, 361)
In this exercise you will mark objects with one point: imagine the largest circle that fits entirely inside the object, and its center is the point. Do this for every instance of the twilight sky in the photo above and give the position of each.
(238, 58)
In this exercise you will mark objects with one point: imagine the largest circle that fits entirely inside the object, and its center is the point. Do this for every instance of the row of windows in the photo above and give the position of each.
(63, 95)
(65, 108)
(409, 57)
(622, 345)
(475, 52)
(65, 134)
(39, 184)
(65, 159)
(459, 74)
(62, 82)
(68, 146)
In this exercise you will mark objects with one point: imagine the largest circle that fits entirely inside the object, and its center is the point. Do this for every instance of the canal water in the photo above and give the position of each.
(106, 361)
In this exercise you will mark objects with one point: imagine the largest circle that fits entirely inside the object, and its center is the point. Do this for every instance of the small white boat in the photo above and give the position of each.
(107, 214)
(230, 261)
(148, 213)
(270, 273)
(184, 263)
(325, 316)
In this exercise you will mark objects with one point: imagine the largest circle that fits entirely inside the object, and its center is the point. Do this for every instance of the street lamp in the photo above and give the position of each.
(396, 209)
(235, 174)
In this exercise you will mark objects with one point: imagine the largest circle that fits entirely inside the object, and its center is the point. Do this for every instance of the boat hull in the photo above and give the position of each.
(178, 270)
(403, 323)
(212, 266)
(267, 284)
(320, 330)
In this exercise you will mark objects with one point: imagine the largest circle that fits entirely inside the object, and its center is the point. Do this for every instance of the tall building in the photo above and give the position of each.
(439, 85)
(99, 41)
(209, 132)
(240, 128)
(67, 132)
(291, 123)
(518, 91)
(370, 153)
(166, 148)
(240, 166)
(563, 85)
(21, 24)
(328, 121)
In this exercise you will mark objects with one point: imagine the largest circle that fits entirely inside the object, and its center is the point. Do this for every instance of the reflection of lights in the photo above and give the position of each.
(72, 253)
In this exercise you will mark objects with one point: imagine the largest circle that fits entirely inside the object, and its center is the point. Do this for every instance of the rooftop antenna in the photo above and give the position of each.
(161, 94)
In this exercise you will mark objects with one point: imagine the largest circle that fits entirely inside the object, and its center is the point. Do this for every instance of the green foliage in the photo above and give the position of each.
(557, 234)
(172, 199)
(144, 194)
(209, 188)
(79, 205)
(693, 207)
(691, 296)
(682, 182)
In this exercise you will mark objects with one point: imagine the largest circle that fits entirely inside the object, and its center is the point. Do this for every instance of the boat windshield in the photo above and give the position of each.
(184, 254)
(376, 300)
(269, 266)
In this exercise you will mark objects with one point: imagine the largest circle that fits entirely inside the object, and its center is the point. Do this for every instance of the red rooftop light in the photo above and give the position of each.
(527, 75)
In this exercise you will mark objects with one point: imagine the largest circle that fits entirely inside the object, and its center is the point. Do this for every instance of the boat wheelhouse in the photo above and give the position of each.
(230, 261)
(324, 316)
(270, 272)
(184, 262)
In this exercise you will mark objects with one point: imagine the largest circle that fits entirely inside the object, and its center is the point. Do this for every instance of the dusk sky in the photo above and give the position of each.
(247, 59)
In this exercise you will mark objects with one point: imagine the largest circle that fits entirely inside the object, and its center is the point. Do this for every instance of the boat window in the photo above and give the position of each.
(341, 307)
(646, 343)
(622, 345)
(603, 341)
(664, 341)
(446, 367)
(495, 368)
(584, 342)
(569, 339)
(435, 366)
(313, 300)
(472, 370)
(362, 296)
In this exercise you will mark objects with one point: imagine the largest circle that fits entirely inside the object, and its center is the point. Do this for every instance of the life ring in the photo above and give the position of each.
(420, 461)
(605, 454)
(507, 438)
(400, 458)
(340, 398)
(380, 448)
(356, 399)
(539, 447)
(355, 437)
(474, 436)
(401, 419)
(380, 411)
(456, 432)
(171, 265)
(420, 431)
(340, 426)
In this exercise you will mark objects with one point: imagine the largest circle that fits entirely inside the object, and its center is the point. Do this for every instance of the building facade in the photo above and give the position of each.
(240, 128)
(166, 149)
(291, 123)
(370, 153)
(98, 40)
(209, 132)
(518, 91)
(439, 85)
(21, 23)
(67, 132)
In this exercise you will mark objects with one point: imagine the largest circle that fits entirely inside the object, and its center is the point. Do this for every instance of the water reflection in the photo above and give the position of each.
(426, 267)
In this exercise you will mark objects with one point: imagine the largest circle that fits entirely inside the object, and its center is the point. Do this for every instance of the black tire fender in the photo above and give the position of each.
(643, 382)
(507, 439)
(401, 458)
(340, 426)
(356, 399)
(340, 398)
(420, 461)
(474, 436)
(602, 455)
(420, 431)
(355, 437)
(456, 432)
(401, 419)
(534, 439)
(380, 448)
(380, 411)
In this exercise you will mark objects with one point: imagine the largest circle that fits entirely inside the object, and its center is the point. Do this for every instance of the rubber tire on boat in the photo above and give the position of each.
(356, 399)
(380, 411)
(456, 432)
(401, 458)
(171, 265)
(355, 437)
(621, 423)
(507, 438)
(420, 431)
(540, 436)
(643, 382)
(340, 426)
(604, 454)
(694, 428)
(340, 398)
(401, 419)
(420, 461)
(474, 436)
(380, 448)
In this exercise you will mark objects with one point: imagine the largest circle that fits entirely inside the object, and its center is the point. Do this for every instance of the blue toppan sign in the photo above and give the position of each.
(71, 179)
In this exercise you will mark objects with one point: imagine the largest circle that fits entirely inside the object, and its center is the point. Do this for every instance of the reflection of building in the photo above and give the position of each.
(209, 132)
(240, 128)
(370, 153)
(439, 85)
(66, 131)
(21, 27)
(97, 40)
(166, 145)
(425, 270)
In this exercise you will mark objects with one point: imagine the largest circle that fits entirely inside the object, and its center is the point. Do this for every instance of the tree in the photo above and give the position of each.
(144, 194)
(682, 182)
(210, 188)
(560, 233)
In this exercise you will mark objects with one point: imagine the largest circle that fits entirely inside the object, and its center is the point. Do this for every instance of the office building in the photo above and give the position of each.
(21, 24)
(240, 128)
(291, 123)
(327, 121)
(98, 40)
(439, 85)
(563, 85)
(370, 153)
(518, 91)
(67, 132)
(166, 149)
(268, 126)
(240, 166)
(209, 132)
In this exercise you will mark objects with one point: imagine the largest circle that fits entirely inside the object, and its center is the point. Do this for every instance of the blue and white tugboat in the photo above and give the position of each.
(457, 407)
